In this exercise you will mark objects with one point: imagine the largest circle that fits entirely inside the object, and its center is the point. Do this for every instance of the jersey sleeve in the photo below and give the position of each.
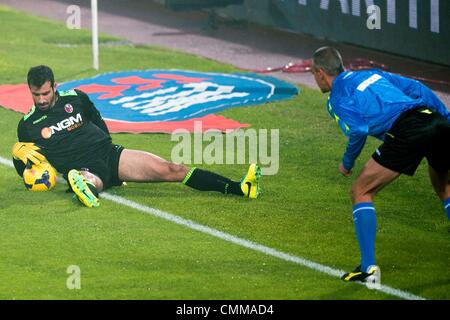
(417, 90)
(345, 112)
(20, 167)
(22, 136)
(22, 133)
(91, 112)
(355, 145)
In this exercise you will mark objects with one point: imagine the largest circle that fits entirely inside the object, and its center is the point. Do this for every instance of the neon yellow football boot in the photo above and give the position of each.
(250, 182)
(82, 190)
(372, 278)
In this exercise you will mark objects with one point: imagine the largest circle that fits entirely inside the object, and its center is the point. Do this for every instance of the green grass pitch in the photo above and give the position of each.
(304, 210)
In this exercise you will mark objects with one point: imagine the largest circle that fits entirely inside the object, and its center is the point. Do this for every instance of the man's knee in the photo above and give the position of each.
(175, 172)
(361, 193)
(355, 193)
(92, 178)
(371, 180)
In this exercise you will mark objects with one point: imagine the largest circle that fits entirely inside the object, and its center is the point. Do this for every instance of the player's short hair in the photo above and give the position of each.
(38, 75)
(328, 59)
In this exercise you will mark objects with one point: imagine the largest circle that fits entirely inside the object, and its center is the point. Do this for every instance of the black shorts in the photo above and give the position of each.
(105, 165)
(417, 133)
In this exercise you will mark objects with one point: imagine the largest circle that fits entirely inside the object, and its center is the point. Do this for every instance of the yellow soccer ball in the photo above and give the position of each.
(41, 177)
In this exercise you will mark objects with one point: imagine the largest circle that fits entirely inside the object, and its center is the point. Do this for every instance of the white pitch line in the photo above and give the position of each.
(6, 162)
(240, 241)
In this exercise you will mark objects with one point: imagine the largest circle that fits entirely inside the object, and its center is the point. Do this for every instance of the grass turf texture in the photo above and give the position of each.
(124, 254)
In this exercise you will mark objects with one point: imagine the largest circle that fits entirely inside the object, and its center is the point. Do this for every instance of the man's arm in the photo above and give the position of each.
(417, 90)
(354, 127)
(20, 167)
(22, 136)
(91, 111)
(354, 147)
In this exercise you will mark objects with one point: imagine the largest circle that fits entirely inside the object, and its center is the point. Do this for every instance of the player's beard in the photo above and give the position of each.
(51, 104)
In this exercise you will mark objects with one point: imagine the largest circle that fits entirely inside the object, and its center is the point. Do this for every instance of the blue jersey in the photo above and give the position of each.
(368, 102)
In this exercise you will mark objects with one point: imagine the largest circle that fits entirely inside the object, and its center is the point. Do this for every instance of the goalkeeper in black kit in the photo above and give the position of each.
(65, 129)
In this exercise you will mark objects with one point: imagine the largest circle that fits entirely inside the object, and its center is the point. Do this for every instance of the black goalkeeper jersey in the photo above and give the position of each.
(69, 134)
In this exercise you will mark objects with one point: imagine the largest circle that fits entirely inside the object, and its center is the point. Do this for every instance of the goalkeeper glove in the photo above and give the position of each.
(27, 151)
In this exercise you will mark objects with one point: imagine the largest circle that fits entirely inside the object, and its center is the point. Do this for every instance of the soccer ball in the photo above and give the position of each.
(41, 177)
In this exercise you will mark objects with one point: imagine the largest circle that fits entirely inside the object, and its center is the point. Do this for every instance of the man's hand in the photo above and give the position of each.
(345, 172)
(27, 151)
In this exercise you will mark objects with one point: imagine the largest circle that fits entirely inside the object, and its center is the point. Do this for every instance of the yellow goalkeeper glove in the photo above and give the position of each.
(27, 151)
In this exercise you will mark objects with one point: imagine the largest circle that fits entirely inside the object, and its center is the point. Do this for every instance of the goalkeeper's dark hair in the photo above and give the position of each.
(328, 59)
(39, 75)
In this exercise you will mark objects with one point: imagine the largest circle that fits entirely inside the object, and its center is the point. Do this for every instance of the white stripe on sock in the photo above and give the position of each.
(364, 208)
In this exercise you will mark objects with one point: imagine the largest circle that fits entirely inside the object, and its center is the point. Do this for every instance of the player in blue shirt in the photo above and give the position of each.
(410, 120)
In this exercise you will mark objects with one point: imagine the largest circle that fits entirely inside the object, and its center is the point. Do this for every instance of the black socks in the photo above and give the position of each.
(209, 181)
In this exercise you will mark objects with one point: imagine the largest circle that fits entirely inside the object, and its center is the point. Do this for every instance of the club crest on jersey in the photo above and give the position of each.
(69, 108)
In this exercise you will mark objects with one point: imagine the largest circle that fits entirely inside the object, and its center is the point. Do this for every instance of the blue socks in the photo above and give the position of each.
(447, 207)
(364, 217)
(365, 221)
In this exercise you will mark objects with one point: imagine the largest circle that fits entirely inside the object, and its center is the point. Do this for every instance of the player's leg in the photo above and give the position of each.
(439, 163)
(403, 149)
(401, 153)
(371, 180)
(440, 182)
(441, 185)
(141, 166)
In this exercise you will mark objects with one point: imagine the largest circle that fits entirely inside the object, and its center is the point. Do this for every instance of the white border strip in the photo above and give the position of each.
(239, 241)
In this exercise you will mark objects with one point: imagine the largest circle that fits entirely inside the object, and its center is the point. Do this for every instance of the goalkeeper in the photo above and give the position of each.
(65, 129)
